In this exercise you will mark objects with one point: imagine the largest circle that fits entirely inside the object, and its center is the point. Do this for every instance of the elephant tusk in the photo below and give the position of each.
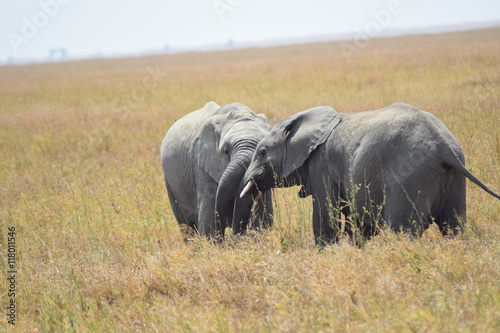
(246, 189)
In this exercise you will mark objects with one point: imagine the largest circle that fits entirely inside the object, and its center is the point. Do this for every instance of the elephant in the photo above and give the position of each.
(397, 167)
(204, 156)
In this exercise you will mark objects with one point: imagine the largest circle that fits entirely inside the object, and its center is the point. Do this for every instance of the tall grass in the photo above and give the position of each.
(99, 248)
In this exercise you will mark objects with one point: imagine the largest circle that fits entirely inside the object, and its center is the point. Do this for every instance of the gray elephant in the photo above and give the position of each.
(399, 165)
(204, 157)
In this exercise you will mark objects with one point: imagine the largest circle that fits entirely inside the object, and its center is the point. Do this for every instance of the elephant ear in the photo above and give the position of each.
(207, 146)
(263, 118)
(303, 133)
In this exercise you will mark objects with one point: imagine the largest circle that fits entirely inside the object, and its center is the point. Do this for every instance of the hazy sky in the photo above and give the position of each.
(29, 29)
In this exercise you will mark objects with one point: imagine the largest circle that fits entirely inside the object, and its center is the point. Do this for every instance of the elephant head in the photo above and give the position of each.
(225, 146)
(286, 147)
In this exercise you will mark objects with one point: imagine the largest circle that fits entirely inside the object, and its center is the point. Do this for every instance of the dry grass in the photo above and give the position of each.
(99, 248)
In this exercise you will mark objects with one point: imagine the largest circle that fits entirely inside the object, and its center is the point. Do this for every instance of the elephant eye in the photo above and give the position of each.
(263, 152)
(226, 151)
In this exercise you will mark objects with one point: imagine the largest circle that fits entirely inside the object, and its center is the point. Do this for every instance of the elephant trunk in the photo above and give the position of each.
(227, 197)
(243, 208)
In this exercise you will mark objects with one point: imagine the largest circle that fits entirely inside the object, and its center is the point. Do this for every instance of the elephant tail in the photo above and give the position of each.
(456, 163)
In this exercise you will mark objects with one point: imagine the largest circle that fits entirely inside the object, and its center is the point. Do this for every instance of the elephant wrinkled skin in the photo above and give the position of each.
(397, 166)
(204, 157)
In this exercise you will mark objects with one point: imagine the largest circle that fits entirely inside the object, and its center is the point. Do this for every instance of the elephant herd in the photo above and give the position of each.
(398, 167)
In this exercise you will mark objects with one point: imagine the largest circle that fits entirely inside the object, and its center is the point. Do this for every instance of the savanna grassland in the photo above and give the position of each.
(97, 245)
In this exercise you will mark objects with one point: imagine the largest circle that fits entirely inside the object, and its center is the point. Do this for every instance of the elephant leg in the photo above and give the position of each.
(326, 211)
(187, 227)
(453, 215)
(262, 212)
(206, 190)
(324, 231)
(404, 215)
